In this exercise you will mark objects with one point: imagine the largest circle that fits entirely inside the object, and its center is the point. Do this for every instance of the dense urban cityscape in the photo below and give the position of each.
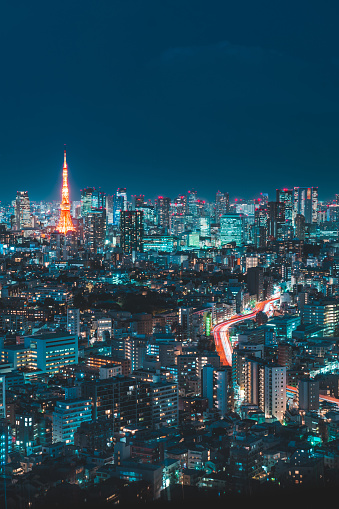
(169, 348)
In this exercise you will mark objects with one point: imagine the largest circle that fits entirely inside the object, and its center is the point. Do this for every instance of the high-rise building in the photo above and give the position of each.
(95, 229)
(305, 202)
(260, 227)
(276, 220)
(255, 282)
(109, 209)
(119, 205)
(22, 210)
(91, 198)
(124, 400)
(214, 387)
(131, 231)
(231, 229)
(308, 394)
(51, 351)
(2, 397)
(299, 224)
(86, 200)
(324, 313)
(73, 321)
(162, 205)
(138, 201)
(65, 223)
(222, 205)
(273, 391)
(165, 404)
(68, 416)
(286, 196)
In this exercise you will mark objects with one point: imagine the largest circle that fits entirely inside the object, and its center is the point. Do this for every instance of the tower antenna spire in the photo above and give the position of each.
(65, 221)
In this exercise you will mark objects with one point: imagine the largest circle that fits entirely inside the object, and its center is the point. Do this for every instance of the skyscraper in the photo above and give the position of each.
(22, 210)
(95, 229)
(305, 202)
(299, 224)
(222, 205)
(119, 204)
(91, 198)
(231, 229)
(163, 212)
(260, 227)
(286, 196)
(65, 222)
(131, 231)
(276, 220)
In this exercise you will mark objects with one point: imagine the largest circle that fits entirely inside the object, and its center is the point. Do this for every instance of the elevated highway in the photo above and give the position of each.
(221, 331)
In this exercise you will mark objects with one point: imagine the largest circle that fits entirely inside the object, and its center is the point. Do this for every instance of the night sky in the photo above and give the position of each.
(163, 96)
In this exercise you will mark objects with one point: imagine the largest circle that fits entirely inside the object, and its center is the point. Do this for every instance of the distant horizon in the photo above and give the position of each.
(232, 198)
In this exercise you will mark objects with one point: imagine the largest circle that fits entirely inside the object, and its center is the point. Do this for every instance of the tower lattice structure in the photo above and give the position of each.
(65, 221)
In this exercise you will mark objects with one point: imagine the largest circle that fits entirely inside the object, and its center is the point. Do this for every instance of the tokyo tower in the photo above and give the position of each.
(65, 222)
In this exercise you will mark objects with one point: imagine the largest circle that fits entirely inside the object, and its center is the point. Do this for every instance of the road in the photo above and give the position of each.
(221, 331)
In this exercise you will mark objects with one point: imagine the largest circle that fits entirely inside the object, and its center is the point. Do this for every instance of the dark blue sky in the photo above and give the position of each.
(165, 95)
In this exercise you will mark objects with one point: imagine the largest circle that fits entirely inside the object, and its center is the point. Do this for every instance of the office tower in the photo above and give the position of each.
(231, 229)
(324, 313)
(275, 220)
(162, 206)
(65, 223)
(131, 231)
(192, 197)
(165, 404)
(263, 199)
(73, 321)
(205, 226)
(255, 282)
(286, 196)
(68, 416)
(91, 198)
(98, 199)
(299, 224)
(86, 200)
(273, 391)
(180, 205)
(308, 394)
(95, 229)
(138, 201)
(109, 209)
(52, 351)
(260, 227)
(119, 205)
(124, 400)
(305, 202)
(22, 210)
(222, 205)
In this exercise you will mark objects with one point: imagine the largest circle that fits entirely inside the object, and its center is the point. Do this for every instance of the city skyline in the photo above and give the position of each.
(146, 96)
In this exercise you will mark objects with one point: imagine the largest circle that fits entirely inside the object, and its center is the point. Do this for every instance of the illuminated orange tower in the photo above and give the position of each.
(65, 222)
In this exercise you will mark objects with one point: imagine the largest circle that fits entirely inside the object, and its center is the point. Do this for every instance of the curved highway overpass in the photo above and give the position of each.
(221, 331)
